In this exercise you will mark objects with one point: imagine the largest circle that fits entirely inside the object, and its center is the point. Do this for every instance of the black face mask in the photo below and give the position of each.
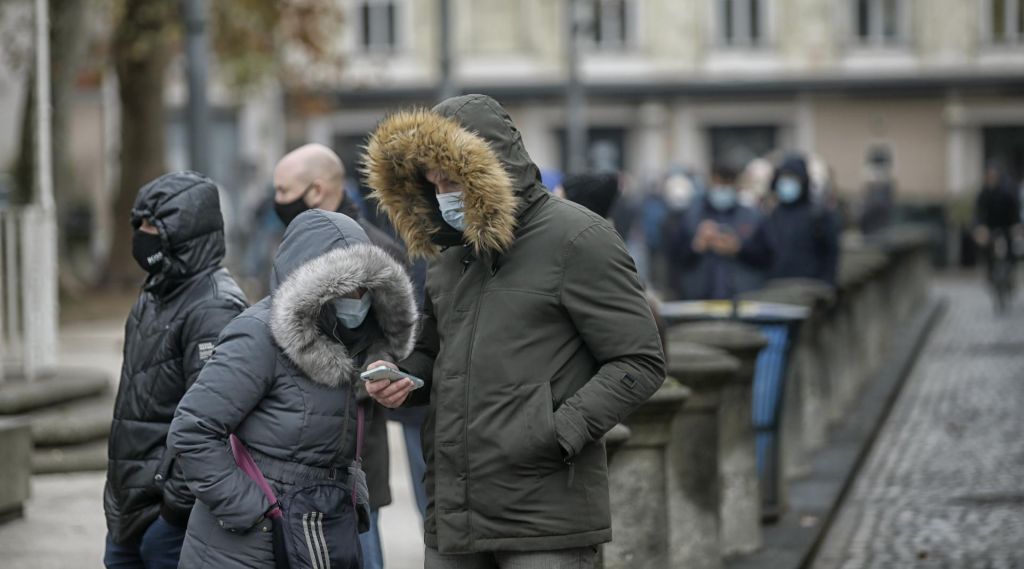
(148, 251)
(289, 211)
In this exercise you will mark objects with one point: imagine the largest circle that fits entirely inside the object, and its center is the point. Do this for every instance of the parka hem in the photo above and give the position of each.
(536, 543)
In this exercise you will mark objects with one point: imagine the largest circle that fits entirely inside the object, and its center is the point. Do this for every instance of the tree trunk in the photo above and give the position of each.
(142, 42)
(67, 45)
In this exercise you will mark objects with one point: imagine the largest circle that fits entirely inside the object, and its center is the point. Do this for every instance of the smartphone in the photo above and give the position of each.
(384, 372)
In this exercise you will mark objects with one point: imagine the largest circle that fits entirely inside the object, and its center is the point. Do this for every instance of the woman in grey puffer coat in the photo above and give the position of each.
(282, 379)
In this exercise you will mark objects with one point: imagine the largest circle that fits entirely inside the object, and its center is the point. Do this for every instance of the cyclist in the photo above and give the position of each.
(997, 218)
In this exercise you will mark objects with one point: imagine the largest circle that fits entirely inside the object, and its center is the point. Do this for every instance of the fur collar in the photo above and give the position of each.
(409, 143)
(297, 303)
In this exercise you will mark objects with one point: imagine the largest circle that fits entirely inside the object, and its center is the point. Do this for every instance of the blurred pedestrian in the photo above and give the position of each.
(596, 192)
(997, 220)
(187, 299)
(722, 247)
(536, 340)
(283, 380)
(804, 234)
(879, 193)
(552, 180)
(654, 213)
(682, 192)
(313, 177)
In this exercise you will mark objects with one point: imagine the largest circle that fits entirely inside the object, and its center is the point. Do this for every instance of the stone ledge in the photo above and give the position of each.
(67, 384)
(88, 457)
(73, 423)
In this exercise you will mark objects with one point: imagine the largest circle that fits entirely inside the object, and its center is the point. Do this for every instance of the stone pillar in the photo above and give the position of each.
(867, 312)
(16, 467)
(740, 507)
(639, 485)
(694, 495)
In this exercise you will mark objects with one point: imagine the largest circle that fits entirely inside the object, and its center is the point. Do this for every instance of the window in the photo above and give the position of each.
(742, 23)
(879, 22)
(609, 23)
(377, 24)
(1005, 20)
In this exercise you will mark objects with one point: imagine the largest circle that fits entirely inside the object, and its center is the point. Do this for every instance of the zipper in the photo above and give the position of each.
(465, 391)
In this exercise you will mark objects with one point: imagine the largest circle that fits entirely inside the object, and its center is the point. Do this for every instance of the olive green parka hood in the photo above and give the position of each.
(488, 160)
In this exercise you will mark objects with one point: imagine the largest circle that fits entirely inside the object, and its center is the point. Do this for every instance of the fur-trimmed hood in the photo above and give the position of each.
(322, 257)
(474, 142)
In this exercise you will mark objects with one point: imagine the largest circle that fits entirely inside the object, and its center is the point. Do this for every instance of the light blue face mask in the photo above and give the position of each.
(788, 189)
(722, 198)
(451, 209)
(351, 312)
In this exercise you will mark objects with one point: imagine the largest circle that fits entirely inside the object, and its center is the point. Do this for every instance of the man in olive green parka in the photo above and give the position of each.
(536, 340)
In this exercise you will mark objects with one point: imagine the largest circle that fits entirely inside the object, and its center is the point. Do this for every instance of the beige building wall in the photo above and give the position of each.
(914, 130)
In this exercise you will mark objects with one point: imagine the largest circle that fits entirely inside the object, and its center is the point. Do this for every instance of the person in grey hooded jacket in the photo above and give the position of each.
(282, 379)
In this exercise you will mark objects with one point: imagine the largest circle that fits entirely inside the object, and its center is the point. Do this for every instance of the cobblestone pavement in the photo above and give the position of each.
(943, 485)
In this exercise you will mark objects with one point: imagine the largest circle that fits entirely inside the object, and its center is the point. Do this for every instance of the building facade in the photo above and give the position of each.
(940, 83)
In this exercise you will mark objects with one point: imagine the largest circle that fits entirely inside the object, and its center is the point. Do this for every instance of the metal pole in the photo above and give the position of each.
(3, 287)
(575, 97)
(446, 87)
(39, 225)
(44, 110)
(198, 111)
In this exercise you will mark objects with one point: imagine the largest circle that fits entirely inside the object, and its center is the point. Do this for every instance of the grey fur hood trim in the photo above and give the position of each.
(298, 301)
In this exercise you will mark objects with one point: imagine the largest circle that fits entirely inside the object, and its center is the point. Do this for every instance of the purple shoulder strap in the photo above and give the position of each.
(245, 462)
(360, 419)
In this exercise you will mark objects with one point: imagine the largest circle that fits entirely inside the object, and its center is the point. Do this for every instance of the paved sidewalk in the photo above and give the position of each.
(63, 526)
(944, 483)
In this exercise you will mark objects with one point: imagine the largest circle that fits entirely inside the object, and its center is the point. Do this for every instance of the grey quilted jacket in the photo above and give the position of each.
(281, 381)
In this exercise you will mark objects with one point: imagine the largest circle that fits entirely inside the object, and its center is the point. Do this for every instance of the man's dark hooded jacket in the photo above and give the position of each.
(805, 236)
(169, 335)
(536, 338)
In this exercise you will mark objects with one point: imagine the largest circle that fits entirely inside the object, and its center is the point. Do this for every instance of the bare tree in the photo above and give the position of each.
(249, 38)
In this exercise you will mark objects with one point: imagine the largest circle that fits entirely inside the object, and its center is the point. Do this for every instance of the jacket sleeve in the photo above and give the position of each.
(231, 384)
(602, 295)
(202, 327)
(421, 361)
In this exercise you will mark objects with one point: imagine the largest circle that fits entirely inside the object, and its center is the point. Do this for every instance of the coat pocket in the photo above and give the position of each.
(534, 446)
(320, 527)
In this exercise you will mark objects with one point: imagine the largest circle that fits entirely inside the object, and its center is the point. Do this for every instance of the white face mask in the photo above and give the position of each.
(351, 312)
(451, 209)
(678, 192)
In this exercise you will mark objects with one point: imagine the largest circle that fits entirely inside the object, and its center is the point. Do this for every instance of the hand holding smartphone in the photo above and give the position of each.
(381, 373)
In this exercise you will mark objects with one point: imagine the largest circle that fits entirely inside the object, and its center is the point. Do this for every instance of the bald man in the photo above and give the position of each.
(313, 177)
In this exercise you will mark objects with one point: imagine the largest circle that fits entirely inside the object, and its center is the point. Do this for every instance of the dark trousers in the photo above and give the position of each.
(159, 548)
(578, 558)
